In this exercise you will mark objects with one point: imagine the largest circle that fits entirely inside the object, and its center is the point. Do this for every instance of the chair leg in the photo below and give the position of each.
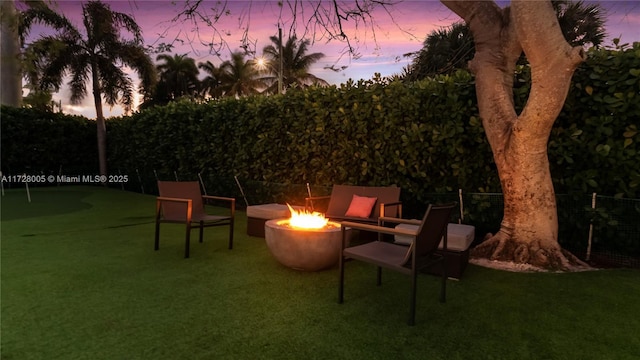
(186, 244)
(379, 276)
(443, 290)
(341, 285)
(201, 230)
(157, 238)
(412, 306)
(231, 235)
(341, 267)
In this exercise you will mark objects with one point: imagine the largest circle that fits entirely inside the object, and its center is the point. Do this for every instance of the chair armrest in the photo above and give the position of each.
(161, 199)
(383, 206)
(379, 229)
(231, 201)
(383, 219)
(395, 203)
(220, 198)
(170, 199)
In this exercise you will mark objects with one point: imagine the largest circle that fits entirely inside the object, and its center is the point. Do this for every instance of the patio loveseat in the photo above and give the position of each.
(363, 204)
(369, 202)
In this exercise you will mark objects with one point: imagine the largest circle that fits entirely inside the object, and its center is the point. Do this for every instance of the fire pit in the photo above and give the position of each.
(306, 241)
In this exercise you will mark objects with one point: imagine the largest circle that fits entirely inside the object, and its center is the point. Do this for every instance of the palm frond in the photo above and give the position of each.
(38, 12)
(78, 84)
(117, 86)
(130, 25)
(137, 58)
(296, 62)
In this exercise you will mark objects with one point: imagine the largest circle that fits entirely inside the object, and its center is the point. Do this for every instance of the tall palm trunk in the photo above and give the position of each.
(11, 93)
(100, 123)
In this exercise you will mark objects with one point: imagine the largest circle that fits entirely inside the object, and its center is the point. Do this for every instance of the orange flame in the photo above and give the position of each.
(303, 219)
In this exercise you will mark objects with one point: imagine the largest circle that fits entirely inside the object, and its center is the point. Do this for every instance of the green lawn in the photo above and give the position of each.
(80, 280)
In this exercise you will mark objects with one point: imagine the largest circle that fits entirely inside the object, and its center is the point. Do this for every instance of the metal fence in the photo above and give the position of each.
(603, 230)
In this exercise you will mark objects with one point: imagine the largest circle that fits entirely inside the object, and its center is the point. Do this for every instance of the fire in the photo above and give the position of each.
(306, 220)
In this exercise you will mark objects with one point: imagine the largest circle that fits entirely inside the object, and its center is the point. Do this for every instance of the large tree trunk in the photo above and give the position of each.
(529, 228)
(10, 74)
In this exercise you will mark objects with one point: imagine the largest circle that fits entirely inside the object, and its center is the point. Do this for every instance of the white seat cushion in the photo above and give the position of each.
(459, 236)
(270, 211)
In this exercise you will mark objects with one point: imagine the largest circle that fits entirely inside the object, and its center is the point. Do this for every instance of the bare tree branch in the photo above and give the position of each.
(348, 22)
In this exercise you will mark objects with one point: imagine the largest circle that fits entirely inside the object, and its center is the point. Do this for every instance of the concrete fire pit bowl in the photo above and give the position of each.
(303, 249)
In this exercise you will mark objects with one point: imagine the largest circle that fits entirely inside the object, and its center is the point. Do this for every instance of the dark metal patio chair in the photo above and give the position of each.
(182, 202)
(401, 258)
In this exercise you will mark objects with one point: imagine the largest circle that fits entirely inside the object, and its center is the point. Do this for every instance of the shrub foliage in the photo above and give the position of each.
(424, 136)
(40, 142)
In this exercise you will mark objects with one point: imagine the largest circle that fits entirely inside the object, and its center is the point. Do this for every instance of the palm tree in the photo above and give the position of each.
(581, 23)
(211, 85)
(444, 51)
(448, 49)
(11, 93)
(296, 63)
(240, 77)
(100, 56)
(178, 77)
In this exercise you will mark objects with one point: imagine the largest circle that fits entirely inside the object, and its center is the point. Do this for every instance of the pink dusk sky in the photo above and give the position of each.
(380, 44)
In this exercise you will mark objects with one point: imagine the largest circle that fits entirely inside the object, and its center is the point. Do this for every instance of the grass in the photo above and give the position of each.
(80, 280)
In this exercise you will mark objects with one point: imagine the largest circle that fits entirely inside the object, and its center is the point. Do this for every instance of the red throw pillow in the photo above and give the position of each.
(361, 206)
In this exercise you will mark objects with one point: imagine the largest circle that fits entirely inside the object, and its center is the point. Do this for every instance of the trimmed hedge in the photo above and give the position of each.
(425, 137)
(595, 143)
(419, 136)
(39, 142)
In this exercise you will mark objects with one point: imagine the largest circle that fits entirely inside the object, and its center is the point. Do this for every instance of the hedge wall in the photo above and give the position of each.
(418, 136)
(38, 142)
(425, 137)
(595, 143)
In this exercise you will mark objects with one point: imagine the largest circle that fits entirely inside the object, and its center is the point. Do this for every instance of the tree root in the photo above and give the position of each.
(501, 247)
